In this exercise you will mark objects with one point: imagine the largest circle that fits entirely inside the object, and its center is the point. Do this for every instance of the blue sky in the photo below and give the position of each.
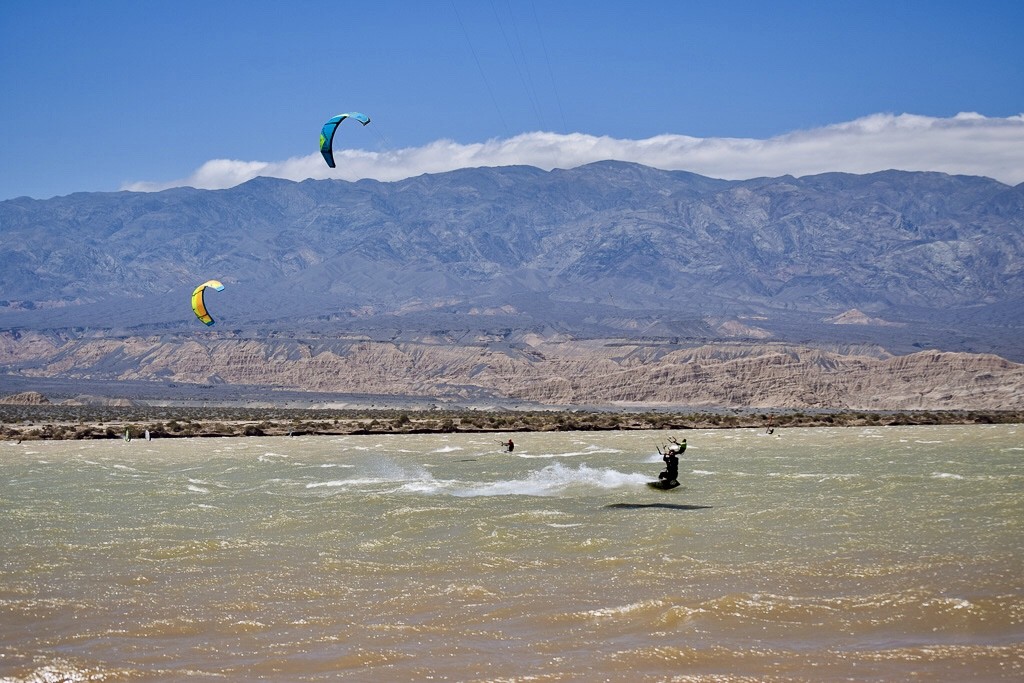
(108, 95)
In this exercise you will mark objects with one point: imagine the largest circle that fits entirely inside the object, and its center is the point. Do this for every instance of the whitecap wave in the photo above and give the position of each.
(337, 483)
(553, 480)
(376, 473)
(269, 456)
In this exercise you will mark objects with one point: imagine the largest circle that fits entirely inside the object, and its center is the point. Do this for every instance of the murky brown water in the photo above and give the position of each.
(818, 554)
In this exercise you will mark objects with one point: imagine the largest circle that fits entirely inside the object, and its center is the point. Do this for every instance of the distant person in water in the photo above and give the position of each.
(509, 446)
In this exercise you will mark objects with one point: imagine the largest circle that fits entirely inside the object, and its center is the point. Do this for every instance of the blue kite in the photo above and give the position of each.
(331, 127)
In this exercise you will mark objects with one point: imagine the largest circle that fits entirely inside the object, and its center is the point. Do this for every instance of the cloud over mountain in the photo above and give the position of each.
(968, 143)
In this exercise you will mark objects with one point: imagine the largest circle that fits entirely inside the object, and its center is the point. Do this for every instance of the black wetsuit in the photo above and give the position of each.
(671, 472)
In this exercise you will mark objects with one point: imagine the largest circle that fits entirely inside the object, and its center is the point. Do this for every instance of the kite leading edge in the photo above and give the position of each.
(331, 127)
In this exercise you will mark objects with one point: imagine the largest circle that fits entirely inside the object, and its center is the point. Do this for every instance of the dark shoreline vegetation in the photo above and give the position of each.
(39, 422)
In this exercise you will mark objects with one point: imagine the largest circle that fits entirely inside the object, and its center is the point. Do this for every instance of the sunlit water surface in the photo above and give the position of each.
(814, 554)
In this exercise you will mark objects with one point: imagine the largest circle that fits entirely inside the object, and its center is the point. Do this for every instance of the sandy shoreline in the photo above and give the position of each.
(36, 422)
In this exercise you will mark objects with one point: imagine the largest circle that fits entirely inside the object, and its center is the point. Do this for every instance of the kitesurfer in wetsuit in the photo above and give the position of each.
(671, 458)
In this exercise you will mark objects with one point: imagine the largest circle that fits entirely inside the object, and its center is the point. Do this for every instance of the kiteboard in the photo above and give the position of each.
(663, 485)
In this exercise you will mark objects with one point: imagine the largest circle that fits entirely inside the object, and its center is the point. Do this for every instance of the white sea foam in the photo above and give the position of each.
(567, 454)
(427, 485)
(342, 482)
(269, 456)
(820, 476)
(56, 673)
(607, 612)
(202, 483)
(380, 471)
(553, 480)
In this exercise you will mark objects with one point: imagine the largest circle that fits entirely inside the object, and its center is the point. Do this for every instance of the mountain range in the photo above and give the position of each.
(898, 262)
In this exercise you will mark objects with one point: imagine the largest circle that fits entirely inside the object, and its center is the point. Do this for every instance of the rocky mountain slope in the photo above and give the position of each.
(605, 247)
(611, 282)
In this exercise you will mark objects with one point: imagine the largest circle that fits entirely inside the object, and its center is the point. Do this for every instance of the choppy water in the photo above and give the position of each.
(818, 554)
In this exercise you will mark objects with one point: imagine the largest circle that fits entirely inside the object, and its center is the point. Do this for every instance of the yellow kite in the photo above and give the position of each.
(198, 305)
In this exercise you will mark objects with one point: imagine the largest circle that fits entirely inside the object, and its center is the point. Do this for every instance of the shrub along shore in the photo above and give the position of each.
(37, 422)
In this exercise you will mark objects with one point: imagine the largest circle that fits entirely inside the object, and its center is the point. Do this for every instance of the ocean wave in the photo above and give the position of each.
(270, 457)
(66, 672)
(553, 480)
(549, 481)
(820, 476)
(611, 612)
(344, 482)
(567, 454)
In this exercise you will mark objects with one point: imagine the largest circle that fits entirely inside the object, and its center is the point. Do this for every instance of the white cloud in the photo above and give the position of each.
(968, 143)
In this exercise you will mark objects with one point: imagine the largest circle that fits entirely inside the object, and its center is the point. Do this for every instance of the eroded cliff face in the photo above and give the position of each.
(25, 398)
(552, 370)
